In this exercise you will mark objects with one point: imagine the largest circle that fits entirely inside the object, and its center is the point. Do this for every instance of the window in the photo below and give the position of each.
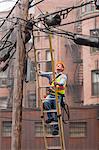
(11, 69)
(3, 82)
(95, 82)
(83, 9)
(38, 36)
(39, 129)
(3, 102)
(48, 63)
(93, 7)
(10, 82)
(95, 33)
(38, 59)
(78, 129)
(6, 128)
(88, 7)
(30, 72)
(4, 74)
(31, 100)
(78, 25)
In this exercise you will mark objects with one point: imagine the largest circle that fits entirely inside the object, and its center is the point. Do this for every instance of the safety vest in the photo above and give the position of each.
(60, 89)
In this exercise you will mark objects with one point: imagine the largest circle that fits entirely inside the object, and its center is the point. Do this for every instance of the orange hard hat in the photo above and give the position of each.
(60, 62)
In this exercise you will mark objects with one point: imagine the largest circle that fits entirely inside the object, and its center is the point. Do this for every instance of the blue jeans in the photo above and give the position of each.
(50, 103)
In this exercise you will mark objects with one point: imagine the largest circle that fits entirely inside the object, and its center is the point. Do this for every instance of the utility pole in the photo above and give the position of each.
(22, 11)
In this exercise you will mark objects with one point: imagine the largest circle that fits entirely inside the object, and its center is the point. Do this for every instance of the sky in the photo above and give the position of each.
(6, 5)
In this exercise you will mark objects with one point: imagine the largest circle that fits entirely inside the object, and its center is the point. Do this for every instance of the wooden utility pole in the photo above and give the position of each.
(22, 12)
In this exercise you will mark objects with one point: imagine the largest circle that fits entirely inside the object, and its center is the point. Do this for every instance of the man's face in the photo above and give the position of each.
(59, 67)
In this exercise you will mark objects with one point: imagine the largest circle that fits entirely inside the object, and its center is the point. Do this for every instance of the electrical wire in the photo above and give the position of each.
(41, 29)
(6, 37)
(7, 62)
(40, 18)
(71, 8)
(3, 47)
(9, 13)
(7, 34)
(73, 21)
(68, 23)
(9, 44)
(36, 3)
(53, 32)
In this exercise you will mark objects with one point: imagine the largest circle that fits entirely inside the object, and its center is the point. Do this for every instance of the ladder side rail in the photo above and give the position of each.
(37, 78)
(57, 101)
(39, 101)
(58, 107)
(38, 89)
(43, 124)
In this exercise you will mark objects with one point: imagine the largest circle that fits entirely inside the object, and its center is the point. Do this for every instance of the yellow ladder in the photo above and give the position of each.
(60, 137)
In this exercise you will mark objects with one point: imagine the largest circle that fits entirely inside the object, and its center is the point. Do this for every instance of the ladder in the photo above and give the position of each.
(48, 137)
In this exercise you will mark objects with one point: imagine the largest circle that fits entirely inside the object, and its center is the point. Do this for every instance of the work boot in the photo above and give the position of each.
(55, 132)
(49, 120)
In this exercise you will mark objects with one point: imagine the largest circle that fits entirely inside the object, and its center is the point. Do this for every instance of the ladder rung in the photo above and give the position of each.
(44, 86)
(54, 147)
(47, 99)
(43, 61)
(41, 49)
(45, 73)
(53, 123)
(52, 110)
(52, 136)
(41, 36)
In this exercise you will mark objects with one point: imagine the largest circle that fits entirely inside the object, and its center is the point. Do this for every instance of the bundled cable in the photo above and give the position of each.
(7, 57)
(7, 63)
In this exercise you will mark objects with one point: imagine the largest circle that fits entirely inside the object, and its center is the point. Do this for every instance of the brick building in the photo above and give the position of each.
(81, 67)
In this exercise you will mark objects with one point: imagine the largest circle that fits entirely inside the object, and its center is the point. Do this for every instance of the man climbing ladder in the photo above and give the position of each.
(49, 105)
(58, 83)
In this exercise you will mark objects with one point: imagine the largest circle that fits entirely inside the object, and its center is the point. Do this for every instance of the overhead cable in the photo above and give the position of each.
(36, 3)
(63, 11)
(9, 13)
(7, 62)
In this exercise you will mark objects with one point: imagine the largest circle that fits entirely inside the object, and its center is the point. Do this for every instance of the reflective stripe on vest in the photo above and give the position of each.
(60, 89)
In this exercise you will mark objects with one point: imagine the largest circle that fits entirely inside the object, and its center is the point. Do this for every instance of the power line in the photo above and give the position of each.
(10, 12)
(53, 31)
(42, 29)
(79, 20)
(36, 3)
(63, 11)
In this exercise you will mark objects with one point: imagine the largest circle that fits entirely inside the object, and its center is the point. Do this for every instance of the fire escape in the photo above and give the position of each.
(77, 84)
(78, 81)
(76, 54)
